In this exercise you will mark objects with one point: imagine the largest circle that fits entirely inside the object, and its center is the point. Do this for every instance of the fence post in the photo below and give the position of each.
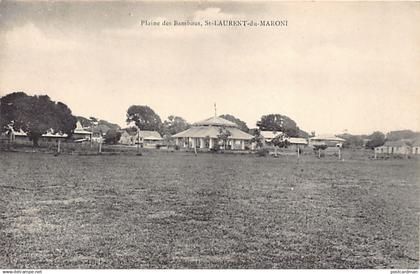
(58, 146)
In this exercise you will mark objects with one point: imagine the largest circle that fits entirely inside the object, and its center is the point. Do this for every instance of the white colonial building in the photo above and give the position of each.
(328, 140)
(205, 135)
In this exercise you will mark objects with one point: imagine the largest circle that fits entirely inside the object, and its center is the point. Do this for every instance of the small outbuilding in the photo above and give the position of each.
(149, 138)
(81, 134)
(146, 138)
(394, 148)
(127, 138)
(297, 141)
(22, 137)
(415, 149)
(328, 140)
(268, 136)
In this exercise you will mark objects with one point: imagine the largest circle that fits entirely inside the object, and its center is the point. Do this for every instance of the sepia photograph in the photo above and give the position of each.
(142, 135)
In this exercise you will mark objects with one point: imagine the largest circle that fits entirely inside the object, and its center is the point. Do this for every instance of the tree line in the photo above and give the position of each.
(38, 114)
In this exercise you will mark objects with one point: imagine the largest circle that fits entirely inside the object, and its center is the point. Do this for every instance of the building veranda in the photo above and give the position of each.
(206, 134)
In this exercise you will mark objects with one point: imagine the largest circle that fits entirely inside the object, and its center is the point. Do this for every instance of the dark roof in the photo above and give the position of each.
(215, 121)
(416, 143)
(399, 143)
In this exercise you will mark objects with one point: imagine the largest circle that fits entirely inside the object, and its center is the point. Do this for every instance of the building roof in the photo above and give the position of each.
(215, 121)
(145, 134)
(212, 132)
(327, 138)
(80, 130)
(267, 134)
(416, 143)
(150, 135)
(18, 133)
(49, 134)
(297, 141)
(399, 143)
(54, 135)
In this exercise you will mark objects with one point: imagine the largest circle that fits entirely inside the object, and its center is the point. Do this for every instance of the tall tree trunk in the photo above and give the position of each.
(35, 140)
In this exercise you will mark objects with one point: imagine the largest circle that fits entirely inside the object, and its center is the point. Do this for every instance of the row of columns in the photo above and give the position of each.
(201, 143)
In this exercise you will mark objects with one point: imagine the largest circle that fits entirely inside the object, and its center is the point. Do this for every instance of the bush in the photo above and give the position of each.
(215, 148)
(176, 147)
(262, 152)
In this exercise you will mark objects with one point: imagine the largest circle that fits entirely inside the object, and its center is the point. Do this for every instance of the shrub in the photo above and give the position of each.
(262, 152)
(215, 148)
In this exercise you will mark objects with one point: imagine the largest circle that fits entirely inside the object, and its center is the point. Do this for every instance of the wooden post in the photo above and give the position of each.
(375, 154)
(339, 153)
(298, 152)
(91, 134)
(319, 153)
(100, 145)
(194, 144)
(275, 151)
(58, 146)
(138, 140)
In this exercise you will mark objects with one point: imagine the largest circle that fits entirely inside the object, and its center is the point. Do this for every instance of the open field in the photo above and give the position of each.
(177, 210)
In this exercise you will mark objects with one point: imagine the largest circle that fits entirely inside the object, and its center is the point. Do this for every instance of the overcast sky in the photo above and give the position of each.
(336, 66)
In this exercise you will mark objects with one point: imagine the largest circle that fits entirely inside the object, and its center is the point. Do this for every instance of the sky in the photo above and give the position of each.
(336, 66)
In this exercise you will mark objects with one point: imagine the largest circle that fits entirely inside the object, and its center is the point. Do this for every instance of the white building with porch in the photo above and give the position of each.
(205, 135)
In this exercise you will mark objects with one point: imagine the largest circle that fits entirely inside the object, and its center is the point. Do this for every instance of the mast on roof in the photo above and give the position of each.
(215, 110)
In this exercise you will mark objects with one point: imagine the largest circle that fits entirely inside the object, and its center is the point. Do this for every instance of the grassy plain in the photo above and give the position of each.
(177, 210)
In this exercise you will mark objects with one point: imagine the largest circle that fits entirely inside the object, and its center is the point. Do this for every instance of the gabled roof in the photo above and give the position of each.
(267, 134)
(398, 143)
(215, 121)
(150, 135)
(297, 141)
(54, 135)
(327, 138)
(80, 130)
(212, 132)
(416, 143)
(49, 134)
(145, 134)
(18, 133)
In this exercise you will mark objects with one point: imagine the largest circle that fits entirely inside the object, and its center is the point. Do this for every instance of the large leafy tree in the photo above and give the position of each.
(258, 138)
(223, 136)
(144, 117)
(112, 136)
(376, 139)
(278, 122)
(242, 125)
(279, 141)
(35, 115)
(173, 125)
(352, 141)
